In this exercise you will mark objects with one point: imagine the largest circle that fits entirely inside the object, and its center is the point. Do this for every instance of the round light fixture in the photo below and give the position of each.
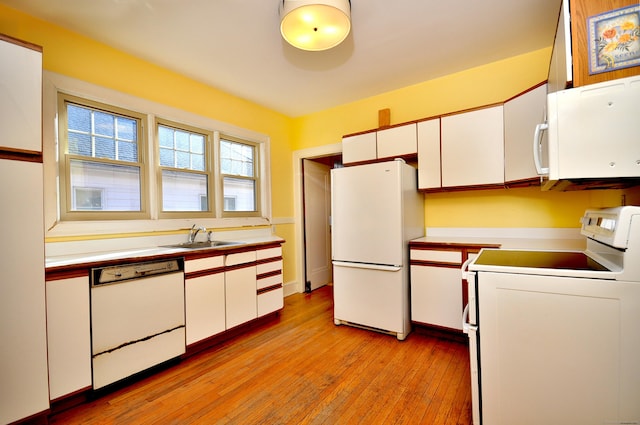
(315, 25)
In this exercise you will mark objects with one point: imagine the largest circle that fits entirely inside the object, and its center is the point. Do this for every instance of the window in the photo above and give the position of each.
(239, 172)
(101, 161)
(184, 168)
(127, 165)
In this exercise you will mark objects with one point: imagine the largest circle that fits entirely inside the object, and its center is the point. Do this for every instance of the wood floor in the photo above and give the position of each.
(299, 369)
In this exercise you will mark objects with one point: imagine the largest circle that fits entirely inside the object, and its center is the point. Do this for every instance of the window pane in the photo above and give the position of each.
(197, 143)
(79, 119)
(79, 144)
(127, 151)
(236, 158)
(166, 157)
(239, 194)
(104, 124)
(119, 186)
(127, 129)
(105, 148)
(184, 191)
(165, 135)
(182, 140)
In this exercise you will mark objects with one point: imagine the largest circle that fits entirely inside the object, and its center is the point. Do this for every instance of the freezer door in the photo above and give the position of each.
(367, 213)
(371, 296)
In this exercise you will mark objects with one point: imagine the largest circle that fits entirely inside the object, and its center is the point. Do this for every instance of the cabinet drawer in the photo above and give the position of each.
(269, 281)
(203, 264)
(271, 301)
(263, 254)
(268, 267)
(240, 258)
(437, 256)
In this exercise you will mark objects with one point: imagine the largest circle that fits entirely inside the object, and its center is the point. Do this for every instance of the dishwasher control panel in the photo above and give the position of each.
(122, 272)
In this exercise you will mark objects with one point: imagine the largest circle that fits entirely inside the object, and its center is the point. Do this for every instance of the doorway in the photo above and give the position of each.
(316, 207)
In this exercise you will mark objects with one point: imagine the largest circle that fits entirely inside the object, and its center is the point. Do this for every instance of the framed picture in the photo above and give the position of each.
(614, 39)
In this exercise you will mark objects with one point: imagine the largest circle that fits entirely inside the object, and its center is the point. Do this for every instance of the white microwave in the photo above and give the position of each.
(591, 138)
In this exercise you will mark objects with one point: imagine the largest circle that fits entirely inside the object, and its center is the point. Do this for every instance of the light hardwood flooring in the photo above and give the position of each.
(299, 369)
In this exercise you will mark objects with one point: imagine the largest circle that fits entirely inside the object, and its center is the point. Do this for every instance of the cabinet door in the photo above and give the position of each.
(397, 141)
(23, 331)
(436, 296)
(521, 115)
(68, 336)
(21, 101)
(473, 148)
(429, 154)
(270, 301)
(561, 68)
(361, 147)
(204, 306)
(241, 302)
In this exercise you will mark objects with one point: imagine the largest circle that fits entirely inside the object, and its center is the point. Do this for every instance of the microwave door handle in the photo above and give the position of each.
(537, 148)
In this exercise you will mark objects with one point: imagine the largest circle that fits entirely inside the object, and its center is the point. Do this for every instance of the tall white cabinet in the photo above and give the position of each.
(24, 390)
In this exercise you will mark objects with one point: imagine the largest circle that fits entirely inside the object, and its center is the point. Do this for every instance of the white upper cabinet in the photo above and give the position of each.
(397, 141)
(361, 147)
(472, 146)
(21, 104)
(521, 114)
(429, 154)
(560, 69)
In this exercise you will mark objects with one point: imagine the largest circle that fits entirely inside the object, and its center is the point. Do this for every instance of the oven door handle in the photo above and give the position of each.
(466, 326)
(465, 266)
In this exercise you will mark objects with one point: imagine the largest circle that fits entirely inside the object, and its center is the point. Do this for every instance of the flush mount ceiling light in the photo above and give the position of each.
(315, 25)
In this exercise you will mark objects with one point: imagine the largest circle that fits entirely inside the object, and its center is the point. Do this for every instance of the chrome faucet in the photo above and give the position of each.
(194, 232)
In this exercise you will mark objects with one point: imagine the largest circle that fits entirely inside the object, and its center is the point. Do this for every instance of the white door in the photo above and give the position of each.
(317, 235)
(367, 213)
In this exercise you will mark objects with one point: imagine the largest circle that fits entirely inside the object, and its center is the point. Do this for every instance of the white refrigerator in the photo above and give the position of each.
(376, 209)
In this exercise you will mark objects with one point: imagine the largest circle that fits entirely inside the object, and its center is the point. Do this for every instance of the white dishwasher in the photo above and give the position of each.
(137, 318)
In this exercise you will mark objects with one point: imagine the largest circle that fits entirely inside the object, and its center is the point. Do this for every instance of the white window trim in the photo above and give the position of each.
(53, 83)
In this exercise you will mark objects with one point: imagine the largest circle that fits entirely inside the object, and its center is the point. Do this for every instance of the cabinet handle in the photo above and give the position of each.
(537, 148)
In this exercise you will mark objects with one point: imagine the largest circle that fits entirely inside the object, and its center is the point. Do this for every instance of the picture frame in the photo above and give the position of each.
(614, 39)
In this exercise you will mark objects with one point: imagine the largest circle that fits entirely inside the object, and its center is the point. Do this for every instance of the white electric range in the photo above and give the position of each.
(553, 335)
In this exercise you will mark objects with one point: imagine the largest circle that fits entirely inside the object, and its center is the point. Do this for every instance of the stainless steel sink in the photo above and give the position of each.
(203, 244)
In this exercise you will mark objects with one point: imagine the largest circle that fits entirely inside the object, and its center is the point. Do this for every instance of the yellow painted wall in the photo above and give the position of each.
(487, 84)
(76, 56)
(71, 54)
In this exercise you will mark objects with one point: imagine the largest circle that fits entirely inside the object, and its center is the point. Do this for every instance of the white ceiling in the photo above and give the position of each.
(235, 45)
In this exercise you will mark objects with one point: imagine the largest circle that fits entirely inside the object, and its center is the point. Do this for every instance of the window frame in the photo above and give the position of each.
(209, 169)
(65, 190)
(257, 177)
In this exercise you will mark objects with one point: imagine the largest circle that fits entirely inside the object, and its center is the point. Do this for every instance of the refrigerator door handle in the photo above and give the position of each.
(368, 266)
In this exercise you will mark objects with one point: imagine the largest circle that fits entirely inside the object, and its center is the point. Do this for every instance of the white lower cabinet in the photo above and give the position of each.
(68, 336)
(225, 291)
(436, 288)
(205, 307)
(269, 280)
(436, 296)
(240, 288)
(204, 298)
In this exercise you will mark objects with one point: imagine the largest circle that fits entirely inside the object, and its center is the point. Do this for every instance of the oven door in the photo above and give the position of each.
(567, 344)
(470, 327)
